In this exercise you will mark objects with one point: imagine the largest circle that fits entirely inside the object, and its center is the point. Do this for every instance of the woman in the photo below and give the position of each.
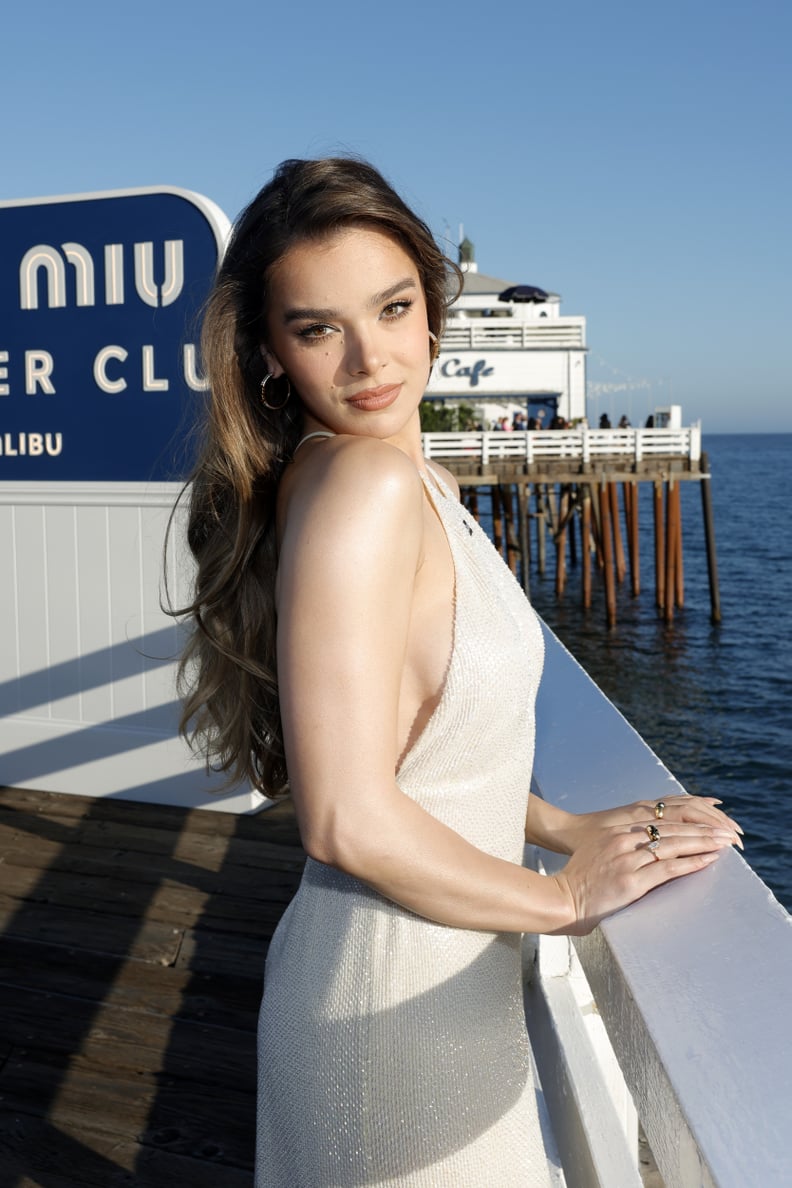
(357, 631)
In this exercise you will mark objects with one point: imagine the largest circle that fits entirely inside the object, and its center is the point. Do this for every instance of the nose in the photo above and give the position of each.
(365, 352)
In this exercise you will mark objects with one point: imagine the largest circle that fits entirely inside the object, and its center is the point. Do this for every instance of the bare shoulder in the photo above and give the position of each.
(351, 483)
(345, 466)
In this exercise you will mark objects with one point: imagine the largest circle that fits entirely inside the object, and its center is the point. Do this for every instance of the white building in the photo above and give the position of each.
(507, 347)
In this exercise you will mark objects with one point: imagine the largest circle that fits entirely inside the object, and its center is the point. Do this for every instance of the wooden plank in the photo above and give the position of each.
(109, 1041)
(179, 993)
(274, 823)
(23, 848)
(34, 1153)
(153, 1109)
(197, 849)
(222, 952)
(141, 941)
(167, 900)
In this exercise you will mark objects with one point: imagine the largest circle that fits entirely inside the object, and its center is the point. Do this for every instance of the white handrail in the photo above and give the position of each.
(691, 982)
(561, 444)
(509, 334)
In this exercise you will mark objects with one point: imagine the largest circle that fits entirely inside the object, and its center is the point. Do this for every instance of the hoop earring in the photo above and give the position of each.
(265, 402)
(434, 349)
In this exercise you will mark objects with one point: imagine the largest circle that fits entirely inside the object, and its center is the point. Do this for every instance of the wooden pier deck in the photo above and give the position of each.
(131, 960)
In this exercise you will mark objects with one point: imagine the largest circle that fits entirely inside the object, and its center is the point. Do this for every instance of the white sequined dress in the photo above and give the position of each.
(392, 1050)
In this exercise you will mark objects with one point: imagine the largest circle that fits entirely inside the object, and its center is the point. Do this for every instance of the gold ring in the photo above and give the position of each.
(660, 809)
(654, 833)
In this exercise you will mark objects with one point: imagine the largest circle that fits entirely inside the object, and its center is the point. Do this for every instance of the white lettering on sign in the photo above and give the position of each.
(17, 445)
(150, 381)
(44, 256)
(101, 378)
(34, 259)
(108, 372)
(197, 382)
(451, 369)
(38, 369)
(114, 273)
(174, 272)
(80, 259)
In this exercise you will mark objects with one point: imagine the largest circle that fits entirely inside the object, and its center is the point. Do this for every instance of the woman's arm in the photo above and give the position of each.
(351, 549)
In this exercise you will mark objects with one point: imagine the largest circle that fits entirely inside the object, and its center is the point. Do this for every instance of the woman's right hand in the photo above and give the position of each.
(614, 867)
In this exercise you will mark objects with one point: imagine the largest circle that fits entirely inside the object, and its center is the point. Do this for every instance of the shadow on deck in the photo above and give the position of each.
(131, 963)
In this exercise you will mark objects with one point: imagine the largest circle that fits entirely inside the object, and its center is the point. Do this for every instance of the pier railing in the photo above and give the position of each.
(479, 334)
(584, 445)
(675, 1008)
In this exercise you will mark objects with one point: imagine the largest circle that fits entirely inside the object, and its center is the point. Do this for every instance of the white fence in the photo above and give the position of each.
(582, 445)
(481, 334)
(691, 985)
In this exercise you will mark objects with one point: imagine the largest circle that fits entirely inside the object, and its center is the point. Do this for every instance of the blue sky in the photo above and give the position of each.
(632, 157)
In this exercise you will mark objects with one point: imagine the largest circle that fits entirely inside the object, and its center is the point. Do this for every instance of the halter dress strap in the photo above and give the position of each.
(308, 436)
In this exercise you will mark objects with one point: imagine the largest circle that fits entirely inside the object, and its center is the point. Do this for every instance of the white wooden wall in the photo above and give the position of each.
(87, 657)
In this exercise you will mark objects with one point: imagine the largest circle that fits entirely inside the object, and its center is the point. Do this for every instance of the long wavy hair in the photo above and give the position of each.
(228, 674)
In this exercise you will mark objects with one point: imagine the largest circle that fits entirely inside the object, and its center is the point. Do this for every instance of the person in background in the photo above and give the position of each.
(358, 643)
(624, 421)
(604, 421)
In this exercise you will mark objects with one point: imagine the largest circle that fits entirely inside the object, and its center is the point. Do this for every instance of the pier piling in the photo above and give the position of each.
(672, 523)
(630, 493)
(607, 553)
(618, 547)
(659, 543)
(541, 542)
(586, 545)
(561, 534)
(709, 535)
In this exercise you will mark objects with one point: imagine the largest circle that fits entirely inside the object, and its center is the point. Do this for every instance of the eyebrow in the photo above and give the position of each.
(317, 315)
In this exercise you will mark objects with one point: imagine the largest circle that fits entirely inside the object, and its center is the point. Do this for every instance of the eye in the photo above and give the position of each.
(396, 309)
(315, 333)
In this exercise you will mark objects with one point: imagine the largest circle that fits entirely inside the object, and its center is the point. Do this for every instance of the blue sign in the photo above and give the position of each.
(100, 302)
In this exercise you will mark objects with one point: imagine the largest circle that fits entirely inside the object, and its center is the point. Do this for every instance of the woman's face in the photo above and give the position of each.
(347, 323)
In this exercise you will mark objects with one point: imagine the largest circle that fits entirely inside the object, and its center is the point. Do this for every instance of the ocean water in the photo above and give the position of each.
(714, 702)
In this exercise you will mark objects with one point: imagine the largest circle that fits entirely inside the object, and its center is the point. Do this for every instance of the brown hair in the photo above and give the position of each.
(227, 675)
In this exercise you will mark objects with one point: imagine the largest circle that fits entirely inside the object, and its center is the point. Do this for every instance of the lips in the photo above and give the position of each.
(373, 399)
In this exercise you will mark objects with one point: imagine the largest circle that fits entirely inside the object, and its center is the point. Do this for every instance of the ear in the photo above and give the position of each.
(270, 362)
